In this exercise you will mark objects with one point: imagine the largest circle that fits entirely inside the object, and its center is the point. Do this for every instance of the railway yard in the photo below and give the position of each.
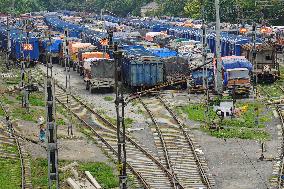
(98, 101)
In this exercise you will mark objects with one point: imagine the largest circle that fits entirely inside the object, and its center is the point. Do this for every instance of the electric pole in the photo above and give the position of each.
(204, 57)
(218, 77)
(52, 150)
(255, 91)
(8, 43)
(26, 91)
(68, 78)
(22, 68)
(120, 105)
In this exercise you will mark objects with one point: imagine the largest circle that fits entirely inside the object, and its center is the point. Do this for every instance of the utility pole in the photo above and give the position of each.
(203, 42)
(218, 77)
(8, 43)
(120, 105)
(26, 91)
(255, 91)
(68, 78)
(22, 69)
(52, 150)
(204, 57)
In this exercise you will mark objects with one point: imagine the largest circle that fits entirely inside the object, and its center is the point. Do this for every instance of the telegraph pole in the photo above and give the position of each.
(218, 77)
(119, 105)
(52, 150)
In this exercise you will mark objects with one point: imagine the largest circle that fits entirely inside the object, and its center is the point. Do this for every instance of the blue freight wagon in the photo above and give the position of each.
(147, 72)
(196, 83)
(18, 49)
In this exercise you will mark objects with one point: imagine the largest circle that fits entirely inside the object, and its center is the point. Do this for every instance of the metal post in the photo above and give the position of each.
(52, 149)
(218, 77)
(26, 91)
(120, 104)
(68, 78)
(255, 95)
(8, 43)
(204, 69)
(22, 72)
(203, 43)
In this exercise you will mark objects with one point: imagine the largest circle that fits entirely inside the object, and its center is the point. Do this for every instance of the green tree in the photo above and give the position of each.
(193, 9)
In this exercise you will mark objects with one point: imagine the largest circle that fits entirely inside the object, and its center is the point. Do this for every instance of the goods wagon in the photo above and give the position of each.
(59, 25)
(18, 48)
(23, 46)
(85, 54)
(266, 65)
(147, 71)
(99, 75)
(236, 72)
(197, 78)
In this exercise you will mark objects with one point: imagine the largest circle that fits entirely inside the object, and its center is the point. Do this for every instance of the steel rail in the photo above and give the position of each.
(191, 145)
(165, 149)
(23, 179)
(106, 122)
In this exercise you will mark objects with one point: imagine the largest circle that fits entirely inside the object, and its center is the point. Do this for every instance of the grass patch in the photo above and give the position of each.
(10, 149)
(2, 113)
(61, 109)
(39, 173)
(101, 171)
(37, 99)
(242, 133)
(103, 174)
(128, 122)
(13, 80)
(110, 119)
(243, 127)
(7, 100)
(32, 115)
(10, 174)
(108, 98)
(60, 121)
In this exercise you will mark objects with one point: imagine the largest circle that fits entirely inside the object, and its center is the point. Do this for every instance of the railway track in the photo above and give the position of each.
(8, 139)
(176, 147)
(280, 110)
(149, 171)
(277, 181)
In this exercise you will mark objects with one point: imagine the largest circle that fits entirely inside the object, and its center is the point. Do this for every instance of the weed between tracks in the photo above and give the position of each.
(108, 98)
(243, 127)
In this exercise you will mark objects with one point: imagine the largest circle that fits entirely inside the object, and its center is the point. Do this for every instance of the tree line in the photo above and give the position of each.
(230, 10)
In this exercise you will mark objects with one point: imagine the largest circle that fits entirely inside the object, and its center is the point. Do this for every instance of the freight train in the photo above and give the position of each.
(142, 67)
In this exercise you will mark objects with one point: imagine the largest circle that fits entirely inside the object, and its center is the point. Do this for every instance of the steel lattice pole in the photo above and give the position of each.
(120, 104)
